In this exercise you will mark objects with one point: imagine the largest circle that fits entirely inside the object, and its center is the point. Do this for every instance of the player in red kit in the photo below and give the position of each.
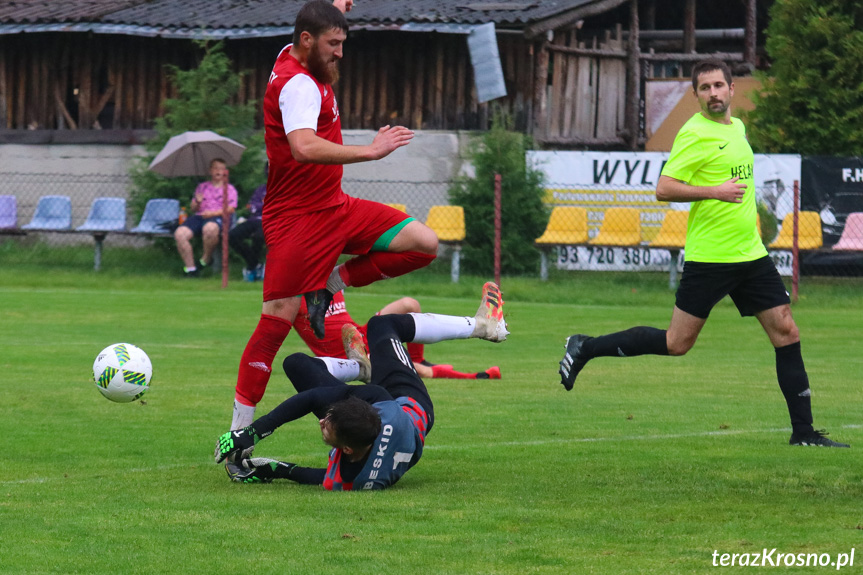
(308, 220)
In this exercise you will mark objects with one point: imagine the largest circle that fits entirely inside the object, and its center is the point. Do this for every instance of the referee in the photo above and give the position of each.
(711, 166)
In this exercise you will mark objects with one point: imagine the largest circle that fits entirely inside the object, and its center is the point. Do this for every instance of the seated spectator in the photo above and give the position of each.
(247, 237)
(206, 219)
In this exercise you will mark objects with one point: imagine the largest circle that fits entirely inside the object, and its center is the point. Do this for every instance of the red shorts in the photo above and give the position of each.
(303, 249)
(336, 317)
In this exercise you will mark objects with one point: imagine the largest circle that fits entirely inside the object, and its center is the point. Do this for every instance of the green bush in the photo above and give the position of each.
(523, 214)
(811, 102)
(769, 226)
(204, 101)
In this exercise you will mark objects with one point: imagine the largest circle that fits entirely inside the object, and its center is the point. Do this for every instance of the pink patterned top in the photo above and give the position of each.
(211, 197)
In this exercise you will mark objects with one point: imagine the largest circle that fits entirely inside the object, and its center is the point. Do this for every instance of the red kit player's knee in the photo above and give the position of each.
(376, 266)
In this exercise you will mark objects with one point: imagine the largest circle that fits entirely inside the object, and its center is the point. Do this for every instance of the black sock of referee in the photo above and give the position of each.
(794, 384)
(634, 341)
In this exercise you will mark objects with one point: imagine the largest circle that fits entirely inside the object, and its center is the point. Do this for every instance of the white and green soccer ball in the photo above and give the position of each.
(122, 372)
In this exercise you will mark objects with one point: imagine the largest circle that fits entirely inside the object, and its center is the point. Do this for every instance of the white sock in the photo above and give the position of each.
(244, 415)
(335, 283)
(432, 327)
(342, 369)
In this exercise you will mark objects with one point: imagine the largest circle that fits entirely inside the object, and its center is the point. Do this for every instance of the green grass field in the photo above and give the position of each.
(648, 466)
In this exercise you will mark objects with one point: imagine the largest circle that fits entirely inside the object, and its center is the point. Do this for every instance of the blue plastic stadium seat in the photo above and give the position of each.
(8, 212)
(106, 215)
(52, 213)
(160, 215)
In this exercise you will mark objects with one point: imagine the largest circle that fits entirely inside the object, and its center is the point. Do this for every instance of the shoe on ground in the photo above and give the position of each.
(317, 303)
(572, 361)
(192, 273)
(816, 437)
(236, 445)
(490, 324)
(355, 349)
(258, 470)
(249, 275)
(490, 373)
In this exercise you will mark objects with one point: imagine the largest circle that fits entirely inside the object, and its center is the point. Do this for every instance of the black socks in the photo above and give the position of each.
(634, 341)
(794, 384)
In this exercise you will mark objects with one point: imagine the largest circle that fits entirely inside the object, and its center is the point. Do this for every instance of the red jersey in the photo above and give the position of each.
(294, 100)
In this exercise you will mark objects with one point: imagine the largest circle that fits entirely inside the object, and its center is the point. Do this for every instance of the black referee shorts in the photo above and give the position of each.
(392, 367)
(753, 286)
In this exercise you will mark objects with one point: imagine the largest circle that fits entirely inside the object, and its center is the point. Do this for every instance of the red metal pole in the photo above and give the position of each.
(795, 252)
(497, 201)
(226, 223)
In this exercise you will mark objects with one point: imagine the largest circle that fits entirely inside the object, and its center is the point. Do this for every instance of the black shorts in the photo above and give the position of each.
(196, 223)
(392, 367)
(753, 286)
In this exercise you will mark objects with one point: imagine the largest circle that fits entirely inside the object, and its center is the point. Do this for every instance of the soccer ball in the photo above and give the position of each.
(122, 372)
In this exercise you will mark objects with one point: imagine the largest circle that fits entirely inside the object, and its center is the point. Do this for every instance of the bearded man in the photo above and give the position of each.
(308, 220)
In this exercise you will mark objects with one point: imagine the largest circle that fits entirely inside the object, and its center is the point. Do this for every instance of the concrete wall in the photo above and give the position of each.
(422, 169)
(75, 160)
(431, 156)
(416, 175)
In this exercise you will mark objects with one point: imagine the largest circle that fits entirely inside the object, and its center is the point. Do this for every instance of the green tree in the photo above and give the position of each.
(523, 214)
(203, 102)
(812, 101)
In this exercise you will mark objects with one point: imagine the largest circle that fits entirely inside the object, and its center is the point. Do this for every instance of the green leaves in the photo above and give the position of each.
(523, 214)
(812, 101)
(204, 101)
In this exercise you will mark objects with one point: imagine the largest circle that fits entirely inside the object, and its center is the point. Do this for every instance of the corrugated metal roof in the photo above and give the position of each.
(149, 15)
(512, 13)
(21, 11)
(174, 32)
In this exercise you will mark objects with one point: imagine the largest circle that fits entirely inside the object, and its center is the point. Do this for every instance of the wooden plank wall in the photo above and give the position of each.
(60, 81)
(585, 93)
(425, 81)
(84, 81)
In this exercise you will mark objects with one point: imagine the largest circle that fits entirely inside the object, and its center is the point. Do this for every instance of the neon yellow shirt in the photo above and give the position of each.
(707, 153)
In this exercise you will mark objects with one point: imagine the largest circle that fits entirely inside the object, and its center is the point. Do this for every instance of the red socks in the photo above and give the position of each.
(417, 352)
(257, 361)
(447, 372)
(375, 266)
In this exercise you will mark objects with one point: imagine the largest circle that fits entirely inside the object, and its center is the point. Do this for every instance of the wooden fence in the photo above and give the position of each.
(586, 89)
(68, 81)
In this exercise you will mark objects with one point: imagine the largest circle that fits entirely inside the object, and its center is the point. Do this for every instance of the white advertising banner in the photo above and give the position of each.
(616, 259)
(601, 180)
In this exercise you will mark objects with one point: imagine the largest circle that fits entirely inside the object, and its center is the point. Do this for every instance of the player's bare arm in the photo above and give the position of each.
(309, 148)
(671, 190)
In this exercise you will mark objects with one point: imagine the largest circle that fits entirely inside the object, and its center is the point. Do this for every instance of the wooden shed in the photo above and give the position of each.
(573, 69)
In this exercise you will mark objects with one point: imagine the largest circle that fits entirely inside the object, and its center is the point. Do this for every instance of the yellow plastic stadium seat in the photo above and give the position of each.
(400, 207)
(808, 232)
(566, 226)
(672, 234)
(447, 222)
(620, 227)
